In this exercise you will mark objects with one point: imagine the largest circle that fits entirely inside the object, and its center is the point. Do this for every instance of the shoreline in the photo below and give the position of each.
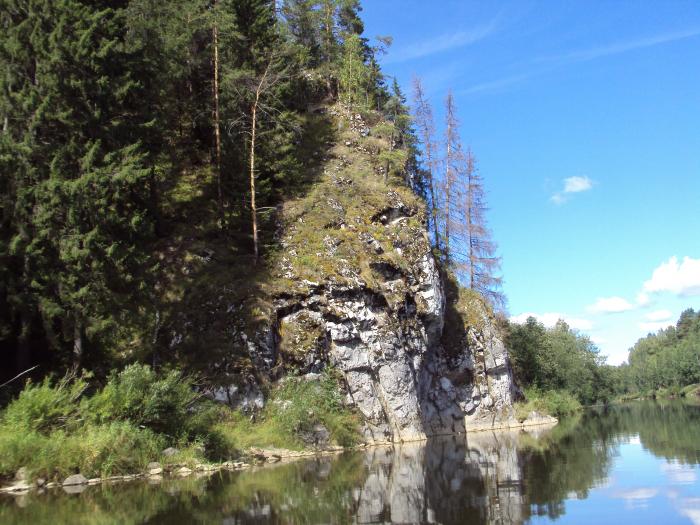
(254, 458)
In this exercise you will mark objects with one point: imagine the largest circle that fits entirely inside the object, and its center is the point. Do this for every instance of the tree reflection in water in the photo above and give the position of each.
(485, 478)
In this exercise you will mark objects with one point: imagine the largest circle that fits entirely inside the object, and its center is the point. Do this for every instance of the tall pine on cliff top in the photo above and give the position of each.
(74, 104)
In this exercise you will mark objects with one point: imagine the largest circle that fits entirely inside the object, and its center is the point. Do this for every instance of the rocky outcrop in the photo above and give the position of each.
(387, 342)
(363, 293)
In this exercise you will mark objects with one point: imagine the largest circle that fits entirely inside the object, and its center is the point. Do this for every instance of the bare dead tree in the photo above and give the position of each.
(423, 114)
(453, 149)
(474, 255)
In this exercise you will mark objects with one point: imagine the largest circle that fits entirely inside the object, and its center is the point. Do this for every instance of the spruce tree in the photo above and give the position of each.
(80, 176)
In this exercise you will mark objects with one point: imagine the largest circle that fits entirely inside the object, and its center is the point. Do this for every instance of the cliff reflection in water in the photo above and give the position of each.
(487, 478)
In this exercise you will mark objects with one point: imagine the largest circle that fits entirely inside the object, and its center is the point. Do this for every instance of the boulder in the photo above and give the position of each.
(318, 436)
(75, 479)
(22, 474)
(154, 468)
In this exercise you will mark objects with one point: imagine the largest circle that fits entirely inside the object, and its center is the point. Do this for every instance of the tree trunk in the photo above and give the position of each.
(253, 209)
(77, 343)
(253, 131)
(217, 125)
(24, 351)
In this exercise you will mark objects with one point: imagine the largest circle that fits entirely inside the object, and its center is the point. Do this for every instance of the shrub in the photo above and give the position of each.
(137, 394)
(294, 408)
(43, 407)
(557, 403)
(53, 430)
(301, 404)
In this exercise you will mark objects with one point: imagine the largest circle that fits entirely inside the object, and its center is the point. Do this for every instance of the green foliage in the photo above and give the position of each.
(57, 430)
(557, 403)
(93, 450)
(559, 358)
(354, 75)
(293, 409)
(44, 408)
(165, 404)
(669, 359)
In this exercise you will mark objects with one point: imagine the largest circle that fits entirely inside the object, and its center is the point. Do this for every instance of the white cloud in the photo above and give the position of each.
(643, 299)
(577, 184)
(620, 47)
(636, 494)
(571, 185)
(495, 85)
(440, 43)
(659, 315)
(654, 326)
(679, 278)
(690, 507)
(610, 305)
(549, 319)
(637, 498)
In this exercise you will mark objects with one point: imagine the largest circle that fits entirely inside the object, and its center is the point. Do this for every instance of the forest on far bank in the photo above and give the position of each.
(560, 358)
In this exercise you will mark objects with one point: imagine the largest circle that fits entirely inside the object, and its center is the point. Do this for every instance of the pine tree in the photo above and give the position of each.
(253, 105)
(302, 21)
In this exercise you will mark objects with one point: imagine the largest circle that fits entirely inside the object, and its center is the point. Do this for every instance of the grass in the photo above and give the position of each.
(556, 403)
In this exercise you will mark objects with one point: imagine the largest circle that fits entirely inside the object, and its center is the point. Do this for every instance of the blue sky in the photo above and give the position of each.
(585, 120)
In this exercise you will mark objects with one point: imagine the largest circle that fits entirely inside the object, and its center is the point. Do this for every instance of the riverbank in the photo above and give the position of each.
(142, 424)
(689, 392)
(252, 458)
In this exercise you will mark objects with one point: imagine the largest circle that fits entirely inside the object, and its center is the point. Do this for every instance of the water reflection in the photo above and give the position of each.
(592, 466)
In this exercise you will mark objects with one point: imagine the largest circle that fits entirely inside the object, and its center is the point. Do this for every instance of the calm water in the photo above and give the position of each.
(636, 463)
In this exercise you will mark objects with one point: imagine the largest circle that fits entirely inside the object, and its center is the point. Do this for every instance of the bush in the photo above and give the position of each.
(301, 404)
(557, 403)
(55, 431)
(43, 408)
(163, 404)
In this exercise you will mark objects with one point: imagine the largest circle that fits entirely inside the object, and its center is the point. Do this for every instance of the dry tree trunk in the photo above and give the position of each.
(253, 130)
(217, 121)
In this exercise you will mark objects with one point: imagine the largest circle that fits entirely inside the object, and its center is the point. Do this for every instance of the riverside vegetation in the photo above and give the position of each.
(54, 430)
(194, 196)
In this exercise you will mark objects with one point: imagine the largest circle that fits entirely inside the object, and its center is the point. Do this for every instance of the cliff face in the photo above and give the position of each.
(361, 291)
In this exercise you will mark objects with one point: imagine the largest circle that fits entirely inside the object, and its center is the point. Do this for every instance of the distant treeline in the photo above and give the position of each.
(669, 359)
(560, 358)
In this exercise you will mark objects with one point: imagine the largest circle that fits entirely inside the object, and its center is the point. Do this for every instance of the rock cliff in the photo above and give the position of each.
(357, 288)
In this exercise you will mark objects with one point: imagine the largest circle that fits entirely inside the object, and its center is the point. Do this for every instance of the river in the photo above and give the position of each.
(633, 463)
